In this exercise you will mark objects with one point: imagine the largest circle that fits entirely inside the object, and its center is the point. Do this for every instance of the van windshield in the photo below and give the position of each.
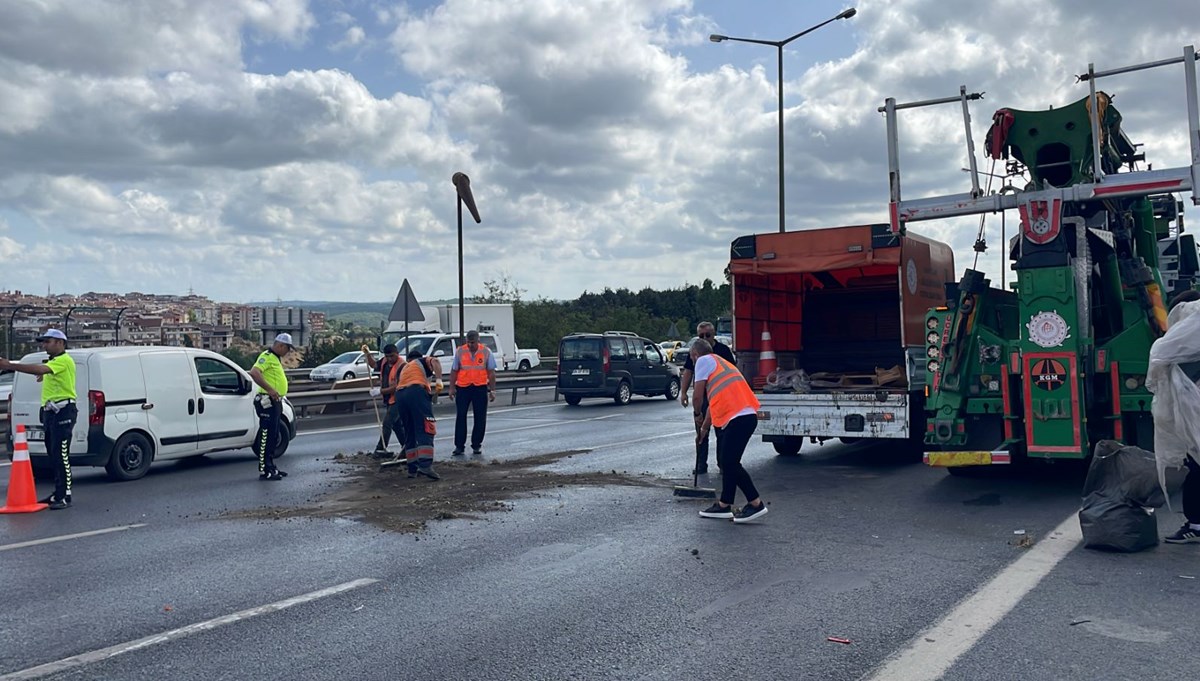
(580, 348)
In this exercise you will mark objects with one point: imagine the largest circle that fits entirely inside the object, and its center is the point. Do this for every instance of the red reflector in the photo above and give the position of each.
(95, 408)
(960, 427)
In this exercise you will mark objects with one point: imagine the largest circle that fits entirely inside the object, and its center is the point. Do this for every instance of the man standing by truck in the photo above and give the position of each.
(707, 332)
(472, 384)
(723, 399)
(272, 382)
(58, 412)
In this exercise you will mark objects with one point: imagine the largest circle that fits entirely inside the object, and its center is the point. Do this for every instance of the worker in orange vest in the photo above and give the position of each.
(472, 384)
(732, 407)
(412, 394)
(389, 378)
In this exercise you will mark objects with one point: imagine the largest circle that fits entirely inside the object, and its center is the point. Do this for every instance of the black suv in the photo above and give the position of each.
(613, 364)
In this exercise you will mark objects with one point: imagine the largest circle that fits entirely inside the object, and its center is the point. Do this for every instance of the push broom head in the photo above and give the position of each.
(695, 492)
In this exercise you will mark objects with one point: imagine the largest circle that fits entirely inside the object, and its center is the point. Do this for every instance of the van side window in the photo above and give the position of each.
(217, 377)
(616, 350)
(635, 350)
(653, 355)
(445, 346)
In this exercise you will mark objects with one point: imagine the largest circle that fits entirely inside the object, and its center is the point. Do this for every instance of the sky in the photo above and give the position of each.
(261, 149)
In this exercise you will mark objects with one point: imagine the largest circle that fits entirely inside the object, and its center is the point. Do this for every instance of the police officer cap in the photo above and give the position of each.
(53, 333)
(286, 339)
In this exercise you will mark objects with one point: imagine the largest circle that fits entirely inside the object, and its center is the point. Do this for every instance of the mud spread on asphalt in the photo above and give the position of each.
(389, 499)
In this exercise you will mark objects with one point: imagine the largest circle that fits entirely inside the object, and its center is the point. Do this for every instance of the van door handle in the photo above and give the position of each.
(201, 405)
(191, 407)
(148, 406)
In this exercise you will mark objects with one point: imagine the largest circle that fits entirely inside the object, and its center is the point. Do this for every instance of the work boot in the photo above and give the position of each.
(477, 451)
(457, 452)
(428, 472)
(273, 474)
(59, 504)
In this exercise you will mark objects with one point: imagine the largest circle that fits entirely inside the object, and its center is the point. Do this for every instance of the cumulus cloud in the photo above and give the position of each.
(601, 154)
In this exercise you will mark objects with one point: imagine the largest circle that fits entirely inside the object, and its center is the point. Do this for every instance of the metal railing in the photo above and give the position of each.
(359, 397)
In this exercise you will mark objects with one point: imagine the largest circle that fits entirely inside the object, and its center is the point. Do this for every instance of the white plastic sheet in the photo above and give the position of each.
(1176, 403)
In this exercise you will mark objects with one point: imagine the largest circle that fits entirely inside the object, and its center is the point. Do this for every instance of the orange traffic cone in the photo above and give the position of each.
(22, 496)
(766, 356)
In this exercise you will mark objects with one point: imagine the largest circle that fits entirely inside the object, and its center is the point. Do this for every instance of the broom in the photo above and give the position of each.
(371, 384)
(696, 491)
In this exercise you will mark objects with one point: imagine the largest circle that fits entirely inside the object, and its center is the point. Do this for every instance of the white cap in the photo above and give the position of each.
(286, 339)
(53, 333)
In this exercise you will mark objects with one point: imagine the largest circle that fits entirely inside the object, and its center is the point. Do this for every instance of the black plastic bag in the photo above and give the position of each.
(1119, 497)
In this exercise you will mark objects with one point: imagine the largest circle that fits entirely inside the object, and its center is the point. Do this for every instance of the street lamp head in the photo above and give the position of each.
(718, 38)
(847, 14)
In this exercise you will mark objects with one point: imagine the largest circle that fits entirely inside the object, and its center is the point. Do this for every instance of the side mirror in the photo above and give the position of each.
(440, 353)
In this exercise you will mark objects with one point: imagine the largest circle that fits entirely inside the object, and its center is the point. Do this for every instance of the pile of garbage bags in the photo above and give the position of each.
(1119, 497)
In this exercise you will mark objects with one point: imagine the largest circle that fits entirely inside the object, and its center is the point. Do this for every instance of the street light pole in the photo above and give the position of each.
(462, 187)
(778, 45)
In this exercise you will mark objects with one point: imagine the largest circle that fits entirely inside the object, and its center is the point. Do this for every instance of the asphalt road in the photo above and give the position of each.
(590, 583)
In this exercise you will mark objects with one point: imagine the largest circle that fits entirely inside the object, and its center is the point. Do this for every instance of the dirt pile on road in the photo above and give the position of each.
(388, 498)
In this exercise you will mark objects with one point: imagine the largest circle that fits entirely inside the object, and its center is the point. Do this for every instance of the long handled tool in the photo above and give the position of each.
(696, 491)
(371, 385)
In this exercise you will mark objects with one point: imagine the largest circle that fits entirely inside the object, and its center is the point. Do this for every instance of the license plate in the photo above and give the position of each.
(581, 372)
(35, 434)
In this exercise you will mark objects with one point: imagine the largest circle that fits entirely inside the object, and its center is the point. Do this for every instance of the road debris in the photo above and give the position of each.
(838, 639)
(389, 499)
(1078, 622)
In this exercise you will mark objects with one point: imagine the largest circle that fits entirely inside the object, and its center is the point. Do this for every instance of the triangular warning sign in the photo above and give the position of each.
(406, 308)
(673, 332)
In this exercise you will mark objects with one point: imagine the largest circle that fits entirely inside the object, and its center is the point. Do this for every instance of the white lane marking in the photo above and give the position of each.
(6, 463)
(65, 537)
(933, 651)
(642, 439)
(444, 438)
(372, 426)
(167, 636)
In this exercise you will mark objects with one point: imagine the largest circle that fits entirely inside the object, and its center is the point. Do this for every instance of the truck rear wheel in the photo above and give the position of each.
(789, 446)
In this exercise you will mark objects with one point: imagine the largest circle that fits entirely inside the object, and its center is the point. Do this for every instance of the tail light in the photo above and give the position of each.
(607, 359)
(95, 408)
(560, 364)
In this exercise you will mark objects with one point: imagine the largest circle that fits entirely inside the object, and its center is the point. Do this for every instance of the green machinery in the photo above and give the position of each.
(1058, 362)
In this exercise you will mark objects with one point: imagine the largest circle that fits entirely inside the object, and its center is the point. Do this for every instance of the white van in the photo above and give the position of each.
(443, 345)
(144, 404)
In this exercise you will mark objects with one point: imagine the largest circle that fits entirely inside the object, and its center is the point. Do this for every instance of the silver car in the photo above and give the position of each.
(346, 366)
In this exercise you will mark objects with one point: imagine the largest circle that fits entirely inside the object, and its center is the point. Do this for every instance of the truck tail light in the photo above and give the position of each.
(95, 408)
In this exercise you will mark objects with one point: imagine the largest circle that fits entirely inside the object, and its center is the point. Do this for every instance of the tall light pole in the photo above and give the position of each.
(778, 45)
(462, 186)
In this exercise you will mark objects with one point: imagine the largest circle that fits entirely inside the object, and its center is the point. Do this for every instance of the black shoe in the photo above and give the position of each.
(717, 511)
(477, 451)
(700, 471)
(48, 499)
(749, 513)
(1184, 535)
(380, 454)
(60, 504)
(457, 452)
(274, 474)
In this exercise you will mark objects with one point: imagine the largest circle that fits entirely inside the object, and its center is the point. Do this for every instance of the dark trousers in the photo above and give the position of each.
(419, 426)
(1191, 492)
(474, 397)
(268, 434)
(59, 426)
(393, 422)
(731, 445)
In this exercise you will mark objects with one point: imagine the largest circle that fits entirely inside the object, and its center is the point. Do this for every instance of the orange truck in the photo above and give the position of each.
(842, 310)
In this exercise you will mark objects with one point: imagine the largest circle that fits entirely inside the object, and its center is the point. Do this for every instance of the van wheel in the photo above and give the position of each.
(281, 439)
(673, 390)
(573, 400)
(624, 393)
(131, 458)
(789, 447)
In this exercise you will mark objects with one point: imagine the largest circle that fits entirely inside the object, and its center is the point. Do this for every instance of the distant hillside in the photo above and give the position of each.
(362, 314)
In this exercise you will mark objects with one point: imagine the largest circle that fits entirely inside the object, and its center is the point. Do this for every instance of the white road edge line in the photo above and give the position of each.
(65, 537)
(167, 636)
(933, 651)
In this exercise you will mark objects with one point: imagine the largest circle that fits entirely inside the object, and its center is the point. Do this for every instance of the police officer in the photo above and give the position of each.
(58, 412)
(472, 384)
(272, 386)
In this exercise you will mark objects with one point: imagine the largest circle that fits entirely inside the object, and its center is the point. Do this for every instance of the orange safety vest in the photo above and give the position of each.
(728, 393)
(413, 374)
(472, 367)
(393, 372)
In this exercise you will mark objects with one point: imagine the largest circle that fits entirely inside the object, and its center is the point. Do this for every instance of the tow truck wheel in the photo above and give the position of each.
(789, 447)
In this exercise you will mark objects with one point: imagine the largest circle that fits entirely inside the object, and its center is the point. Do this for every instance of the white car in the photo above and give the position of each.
(346, 366)
(138, 405)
